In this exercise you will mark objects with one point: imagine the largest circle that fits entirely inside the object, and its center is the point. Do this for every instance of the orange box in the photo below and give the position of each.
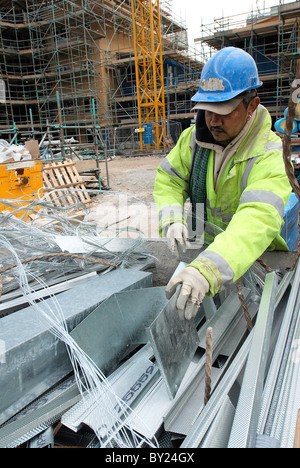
(20, 181)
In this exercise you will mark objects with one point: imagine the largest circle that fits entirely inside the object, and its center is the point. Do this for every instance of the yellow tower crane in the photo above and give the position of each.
(146, 20)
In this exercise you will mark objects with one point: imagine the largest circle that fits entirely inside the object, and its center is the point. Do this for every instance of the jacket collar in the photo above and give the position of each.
(254, 136)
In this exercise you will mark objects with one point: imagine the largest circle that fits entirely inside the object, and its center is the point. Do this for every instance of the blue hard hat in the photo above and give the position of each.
(231, 71)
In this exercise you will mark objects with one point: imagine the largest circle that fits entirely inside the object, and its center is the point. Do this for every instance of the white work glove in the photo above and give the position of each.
(177, 234)
(193, 290)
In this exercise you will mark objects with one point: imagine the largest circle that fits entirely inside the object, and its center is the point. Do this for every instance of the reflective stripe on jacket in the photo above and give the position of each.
(247, 205)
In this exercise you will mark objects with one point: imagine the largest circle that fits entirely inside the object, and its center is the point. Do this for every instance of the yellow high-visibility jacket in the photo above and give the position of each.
(248, 203)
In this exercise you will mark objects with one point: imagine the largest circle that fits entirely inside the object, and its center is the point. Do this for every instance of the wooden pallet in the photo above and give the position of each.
(58, 176)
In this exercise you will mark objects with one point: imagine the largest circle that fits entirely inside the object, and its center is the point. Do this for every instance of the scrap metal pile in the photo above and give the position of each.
(86, 361)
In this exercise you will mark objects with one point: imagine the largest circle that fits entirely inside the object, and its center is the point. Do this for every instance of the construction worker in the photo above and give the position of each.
(231, 163)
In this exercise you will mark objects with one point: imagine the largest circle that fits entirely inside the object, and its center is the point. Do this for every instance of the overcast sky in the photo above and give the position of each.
(196, 12)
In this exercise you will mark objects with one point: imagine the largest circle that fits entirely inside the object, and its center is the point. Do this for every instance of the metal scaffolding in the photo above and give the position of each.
(70, 71)
(271, 36)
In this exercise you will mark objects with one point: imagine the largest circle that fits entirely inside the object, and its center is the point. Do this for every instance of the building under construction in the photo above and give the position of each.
(271, 36)
(95, 70)
(121, 73)
(92, 353)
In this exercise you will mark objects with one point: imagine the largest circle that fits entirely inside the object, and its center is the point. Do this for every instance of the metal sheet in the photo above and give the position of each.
(34, 359)
(38, 416)
(9, 304)
(224, 323)
(174, 342)
(50, 407)
(127, 386)
(117, 325)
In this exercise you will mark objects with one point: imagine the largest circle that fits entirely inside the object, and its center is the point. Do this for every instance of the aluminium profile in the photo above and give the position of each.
(206, 417)
(34, 359)
(19, 302)
(204, 422)
(38, 417)
(43, 440)
(281, 421)
(218, 434)
(289, 423)
(50, 407)
(278, 363)
(244, 427)
(150, 412)
(156, 405)
(118, 325)
(179, 417)
(207, 431)
(125, 386)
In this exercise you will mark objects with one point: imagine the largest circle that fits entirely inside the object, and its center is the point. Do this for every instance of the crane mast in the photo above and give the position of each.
(147, 39)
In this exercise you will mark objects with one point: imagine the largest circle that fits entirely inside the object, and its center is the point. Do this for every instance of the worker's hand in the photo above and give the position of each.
(193, 290)
(177, 235)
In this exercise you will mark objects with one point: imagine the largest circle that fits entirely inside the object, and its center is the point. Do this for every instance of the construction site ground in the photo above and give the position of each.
(134, 175)
(127, 209)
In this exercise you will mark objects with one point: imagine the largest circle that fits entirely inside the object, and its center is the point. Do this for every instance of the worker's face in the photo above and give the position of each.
(224, 128)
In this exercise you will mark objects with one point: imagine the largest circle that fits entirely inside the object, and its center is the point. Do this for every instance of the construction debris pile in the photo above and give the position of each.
(13, 153)
(91, 354)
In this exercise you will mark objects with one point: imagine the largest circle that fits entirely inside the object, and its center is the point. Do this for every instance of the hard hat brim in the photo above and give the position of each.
(222, 108)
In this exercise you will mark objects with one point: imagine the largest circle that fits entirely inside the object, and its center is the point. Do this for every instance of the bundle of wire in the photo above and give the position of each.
(40, 236)
(110, 416)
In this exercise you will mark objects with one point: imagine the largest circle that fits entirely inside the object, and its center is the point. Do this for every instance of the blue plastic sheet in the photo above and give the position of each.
(290, 230)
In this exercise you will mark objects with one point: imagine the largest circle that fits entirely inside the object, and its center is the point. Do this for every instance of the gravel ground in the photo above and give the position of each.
(129, 202)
